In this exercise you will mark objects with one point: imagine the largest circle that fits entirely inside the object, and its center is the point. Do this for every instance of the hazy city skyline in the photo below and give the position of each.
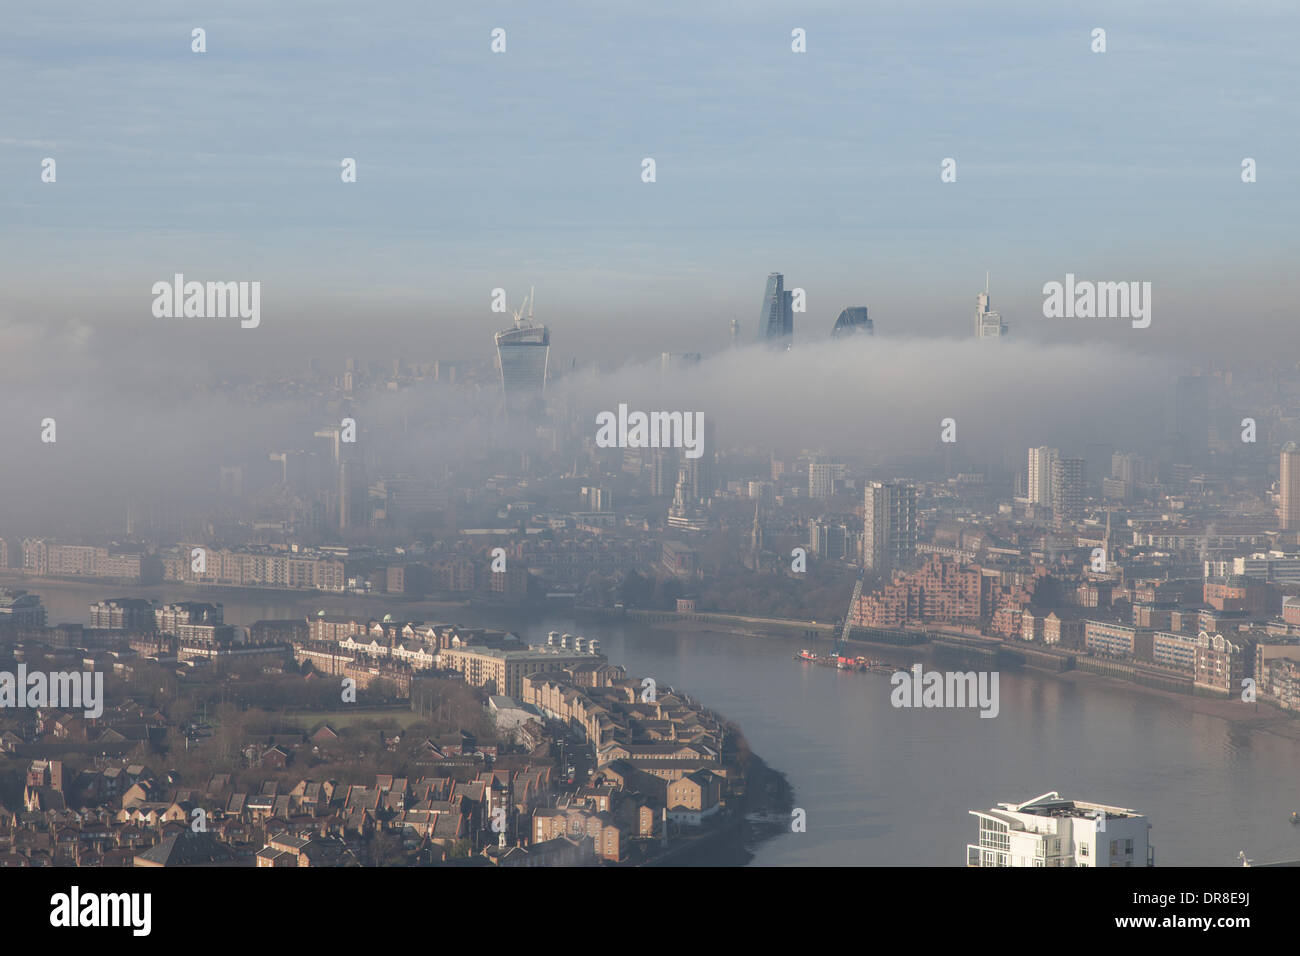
(479, 171)
(409, 410)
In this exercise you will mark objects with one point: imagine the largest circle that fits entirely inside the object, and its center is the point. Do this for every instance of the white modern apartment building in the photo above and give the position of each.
(1041, 461)
(1050, 830)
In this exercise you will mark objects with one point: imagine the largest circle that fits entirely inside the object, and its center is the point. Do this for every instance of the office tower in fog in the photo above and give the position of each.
(1289, 488)
(889, 525)
(988, 324)
(663, 472)
(776, 323)
(1040, 474)
(522, 354)
(735, 332)
(852, 321)
(354, 494)
(1067, 491)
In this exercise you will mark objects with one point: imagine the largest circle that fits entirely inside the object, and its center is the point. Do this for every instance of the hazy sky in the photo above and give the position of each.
(479, 170)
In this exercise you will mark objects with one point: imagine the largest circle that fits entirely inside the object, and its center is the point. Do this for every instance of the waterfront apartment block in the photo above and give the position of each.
(1215, 662)
(503, 671)
(1052, 831)
(19, 610)
(1223, 663)
(941, 590)
(1108, 639)
(1277, 674)
(47, 559)
(288, 570)
(1174, 650)
(1062, 629)
(171, 616)
(130, 614)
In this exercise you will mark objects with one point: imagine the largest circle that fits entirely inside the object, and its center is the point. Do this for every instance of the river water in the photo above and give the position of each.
(887, 786)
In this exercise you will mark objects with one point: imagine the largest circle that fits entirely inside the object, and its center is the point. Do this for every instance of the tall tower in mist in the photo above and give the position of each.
(1289, 488)
(353, 494)
(1041, 462)
(888, 525)
(735, 332)
(776, 321)
(988, 324)
(1067, 492)
(522, 354)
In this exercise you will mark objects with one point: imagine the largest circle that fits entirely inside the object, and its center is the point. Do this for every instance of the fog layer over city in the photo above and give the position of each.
(141, 418)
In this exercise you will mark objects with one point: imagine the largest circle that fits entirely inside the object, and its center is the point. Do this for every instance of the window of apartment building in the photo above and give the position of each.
(1083, 849)
(994, 834)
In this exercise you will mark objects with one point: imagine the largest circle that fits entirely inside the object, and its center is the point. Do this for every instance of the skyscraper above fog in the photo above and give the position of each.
(988, 324)
(852, 321)
(776, 322)
(522, 354)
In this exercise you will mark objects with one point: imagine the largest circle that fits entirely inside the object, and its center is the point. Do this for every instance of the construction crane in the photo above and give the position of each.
(848, 615)
(526, 304)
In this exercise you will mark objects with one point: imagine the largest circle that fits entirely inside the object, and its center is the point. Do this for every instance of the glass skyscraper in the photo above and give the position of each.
(776, 322)
(852, 321)
(522, 354)
(988, 324)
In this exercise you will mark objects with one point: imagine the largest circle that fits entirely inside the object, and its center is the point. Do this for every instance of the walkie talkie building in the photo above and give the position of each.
(522, 353)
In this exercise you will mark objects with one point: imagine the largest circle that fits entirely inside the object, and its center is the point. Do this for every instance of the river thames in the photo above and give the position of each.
(887, 786)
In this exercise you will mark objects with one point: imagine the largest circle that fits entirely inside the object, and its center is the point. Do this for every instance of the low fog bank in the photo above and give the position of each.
(150, 420)
(872, 396)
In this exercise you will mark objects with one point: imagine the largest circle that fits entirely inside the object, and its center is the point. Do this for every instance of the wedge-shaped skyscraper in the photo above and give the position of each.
(522, 353)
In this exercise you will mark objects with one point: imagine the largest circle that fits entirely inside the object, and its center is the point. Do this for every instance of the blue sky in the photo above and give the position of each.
(479, 170)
